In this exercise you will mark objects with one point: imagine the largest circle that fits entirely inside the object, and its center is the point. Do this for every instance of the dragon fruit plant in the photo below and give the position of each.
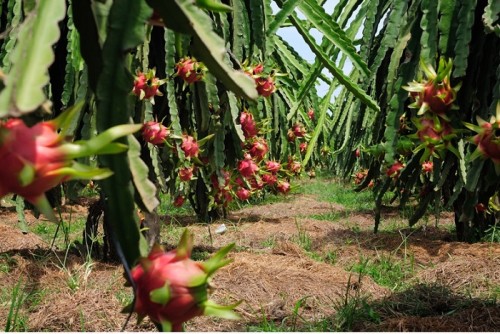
(39, 158)
(171, 288)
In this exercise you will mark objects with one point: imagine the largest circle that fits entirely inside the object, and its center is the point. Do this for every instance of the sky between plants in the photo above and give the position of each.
(297, 42)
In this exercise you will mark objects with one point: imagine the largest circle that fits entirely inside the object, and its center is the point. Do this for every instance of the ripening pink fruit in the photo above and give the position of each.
(269, 179)
(488, 142)
(179, 201)
(190, 70)
(310, 114)
(265, 86)
(247, 167)
(258, 148)
(146, 85)
(37, 150)
(186, 173)
(283, 187)
(171, 288)
(248, 125)
(303, 147)
(155, 133)
(427, 166)
(294, 166)
(395, 169)
(243, 194)
(273, 166)
(290, 136)
(189, 146)
(299, 130)
(255, 182)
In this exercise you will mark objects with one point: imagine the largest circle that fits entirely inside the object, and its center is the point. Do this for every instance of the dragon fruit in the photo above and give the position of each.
(487, 139)
(179, 201)
(258, 148)
(303, 147)
(247, 167)
(248, 125)
(243, 194)
(273, 166)
(299, 130)
(269, 179)
(310, 114)
(36, 159)
(171, 288)
(190, 70)
(186, 173)
(146, 85)
(189, 146)
(395, 169)
(294, 166)
(265, 86)
(427, 166)
(283, 187)
(155, 133)
(434, 95)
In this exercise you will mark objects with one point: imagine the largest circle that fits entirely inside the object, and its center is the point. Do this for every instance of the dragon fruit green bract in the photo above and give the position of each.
(171, 288)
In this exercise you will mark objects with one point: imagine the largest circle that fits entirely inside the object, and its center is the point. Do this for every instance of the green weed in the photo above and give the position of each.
(385, 270)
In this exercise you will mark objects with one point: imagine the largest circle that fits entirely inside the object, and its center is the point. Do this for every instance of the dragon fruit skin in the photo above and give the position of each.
(172, 289)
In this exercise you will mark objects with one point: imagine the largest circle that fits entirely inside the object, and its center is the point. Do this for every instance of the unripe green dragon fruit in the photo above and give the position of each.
(171, 288)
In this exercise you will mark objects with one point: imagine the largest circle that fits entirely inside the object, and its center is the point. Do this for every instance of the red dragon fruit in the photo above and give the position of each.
(310, 114)
(189, 146)
(247, 167)
(171, 288)
(303, 147)
(179, 201)
(255, 182)
(395, 169)
(243, 194)
(434, 94)
(265, 86)
(155, 133)
(269, 179)
(190, 70)
(273, 166)
(156, 20)
(487, 139)
(146, 85)
(36, 159)
(433, 131)
(299, 130)
(427, 166)
(290, 136)
(248, 125)
(258, 148)
(283, 187)
(294, 166)
(223, 196)
(186, 173)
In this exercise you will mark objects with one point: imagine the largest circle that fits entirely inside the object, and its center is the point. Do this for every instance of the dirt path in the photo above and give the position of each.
(284, 259)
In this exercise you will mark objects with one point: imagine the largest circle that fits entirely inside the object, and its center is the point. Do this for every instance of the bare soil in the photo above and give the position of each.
(273, 271)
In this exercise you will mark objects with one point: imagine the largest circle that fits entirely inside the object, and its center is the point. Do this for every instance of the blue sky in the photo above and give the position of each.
(294, 38)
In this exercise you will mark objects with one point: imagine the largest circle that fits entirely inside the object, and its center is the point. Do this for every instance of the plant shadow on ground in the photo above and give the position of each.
(432, 308)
